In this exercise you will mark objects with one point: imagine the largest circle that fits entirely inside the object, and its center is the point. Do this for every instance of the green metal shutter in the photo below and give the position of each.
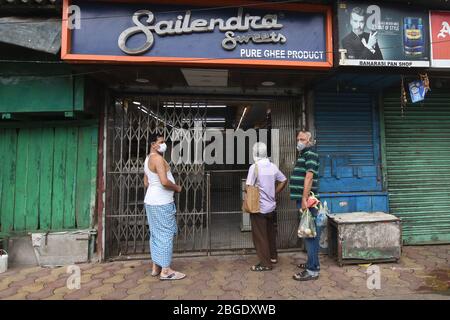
(417, 149)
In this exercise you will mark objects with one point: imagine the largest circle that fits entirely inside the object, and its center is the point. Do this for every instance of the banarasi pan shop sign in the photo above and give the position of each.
(382, 35)
(290, 35)
(440, 39)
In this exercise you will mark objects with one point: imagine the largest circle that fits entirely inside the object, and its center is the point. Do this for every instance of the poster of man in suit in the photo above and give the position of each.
(382, 35)
(358, 43)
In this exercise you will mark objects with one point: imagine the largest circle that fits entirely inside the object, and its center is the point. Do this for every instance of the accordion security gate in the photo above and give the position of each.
(131, 120)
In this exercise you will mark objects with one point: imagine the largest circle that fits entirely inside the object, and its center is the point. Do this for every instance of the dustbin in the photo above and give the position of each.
(3, 261)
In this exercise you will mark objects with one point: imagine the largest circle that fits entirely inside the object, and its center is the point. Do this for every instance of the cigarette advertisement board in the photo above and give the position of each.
(382, 35)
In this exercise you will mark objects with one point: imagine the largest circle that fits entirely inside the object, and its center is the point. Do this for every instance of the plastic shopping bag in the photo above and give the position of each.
(307, 226)
(322, 215)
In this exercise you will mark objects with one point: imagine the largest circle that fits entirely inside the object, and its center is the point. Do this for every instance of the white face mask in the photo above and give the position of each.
(162, 148)
(300, 146)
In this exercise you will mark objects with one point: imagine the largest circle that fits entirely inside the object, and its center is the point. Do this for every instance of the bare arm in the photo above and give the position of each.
(162, 174)
(280, 186)
(307, 188)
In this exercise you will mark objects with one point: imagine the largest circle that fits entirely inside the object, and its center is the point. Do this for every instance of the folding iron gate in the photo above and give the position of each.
(130, 122)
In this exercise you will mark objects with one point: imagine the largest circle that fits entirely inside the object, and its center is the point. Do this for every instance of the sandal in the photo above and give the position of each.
(173, 276)
(259, 267)
(274, 261)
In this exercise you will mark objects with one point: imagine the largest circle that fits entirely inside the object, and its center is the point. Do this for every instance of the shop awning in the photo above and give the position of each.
(41, 34)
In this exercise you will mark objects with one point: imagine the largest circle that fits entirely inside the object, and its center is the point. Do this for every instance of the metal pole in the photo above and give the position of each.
(208, 212)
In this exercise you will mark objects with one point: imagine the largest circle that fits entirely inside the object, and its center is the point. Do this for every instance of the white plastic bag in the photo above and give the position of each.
(3, 261)
(307, 227)
(322, 215)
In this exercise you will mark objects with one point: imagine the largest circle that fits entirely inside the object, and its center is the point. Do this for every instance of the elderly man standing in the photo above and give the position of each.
(304, 179)
(270, 181)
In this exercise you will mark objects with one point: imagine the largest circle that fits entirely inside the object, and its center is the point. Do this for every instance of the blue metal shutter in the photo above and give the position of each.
(347, 134)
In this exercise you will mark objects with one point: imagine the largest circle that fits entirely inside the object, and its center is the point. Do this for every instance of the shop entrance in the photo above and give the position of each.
(209, 165)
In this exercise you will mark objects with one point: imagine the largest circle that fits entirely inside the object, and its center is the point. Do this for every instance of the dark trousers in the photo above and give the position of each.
(264, 233)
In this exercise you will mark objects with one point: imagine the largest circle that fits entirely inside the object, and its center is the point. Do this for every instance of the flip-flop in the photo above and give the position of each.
(173, 276)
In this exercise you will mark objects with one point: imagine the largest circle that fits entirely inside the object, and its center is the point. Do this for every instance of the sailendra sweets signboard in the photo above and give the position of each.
(382, 35)
(289, 35)
(440, 39)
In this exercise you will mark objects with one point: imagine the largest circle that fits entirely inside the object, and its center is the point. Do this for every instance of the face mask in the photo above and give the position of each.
(300, 146)
(162, 148)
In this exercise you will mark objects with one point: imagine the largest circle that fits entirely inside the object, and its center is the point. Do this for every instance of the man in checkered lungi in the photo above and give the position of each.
(160, 208)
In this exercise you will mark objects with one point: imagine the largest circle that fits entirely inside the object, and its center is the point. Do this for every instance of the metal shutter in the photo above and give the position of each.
(418, 166)
(347, 142)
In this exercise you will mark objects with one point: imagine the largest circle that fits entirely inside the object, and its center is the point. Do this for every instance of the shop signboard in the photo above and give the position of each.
(291, 35)
(382, 35)
(440, 39)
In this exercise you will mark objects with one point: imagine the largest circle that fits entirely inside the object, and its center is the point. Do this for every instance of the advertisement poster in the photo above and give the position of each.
(382, 35)
(417, 91)
(440, 39)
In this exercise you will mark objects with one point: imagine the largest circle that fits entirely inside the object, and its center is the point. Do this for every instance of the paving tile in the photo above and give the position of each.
(62, 291)
(95, 296)
(104, 289)
(115, 295)
(15, 277)
(212, 292)
(270, 286)
(58, 271)
(134, 296)
(157, 294)
(29, 270)
(233, 286)
(115, 279)
(4, 285)
(5, 294)
(48, 279)
(58, 283)
(105, 274)
(22, 283)
(95, 270)
(139, 289)
(229, 277)
(31, 288)
(196, 295)
(127, 284)
(77, 294)
(19, 296)
(41, 272)
(42, 294)
(55, 297)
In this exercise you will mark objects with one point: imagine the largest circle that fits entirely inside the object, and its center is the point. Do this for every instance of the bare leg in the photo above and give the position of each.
(156, 268)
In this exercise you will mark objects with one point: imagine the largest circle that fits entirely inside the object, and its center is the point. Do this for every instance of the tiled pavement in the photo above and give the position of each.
(423, 272)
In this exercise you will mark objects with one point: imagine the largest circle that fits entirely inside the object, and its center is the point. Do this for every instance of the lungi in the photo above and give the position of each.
(163, 227)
